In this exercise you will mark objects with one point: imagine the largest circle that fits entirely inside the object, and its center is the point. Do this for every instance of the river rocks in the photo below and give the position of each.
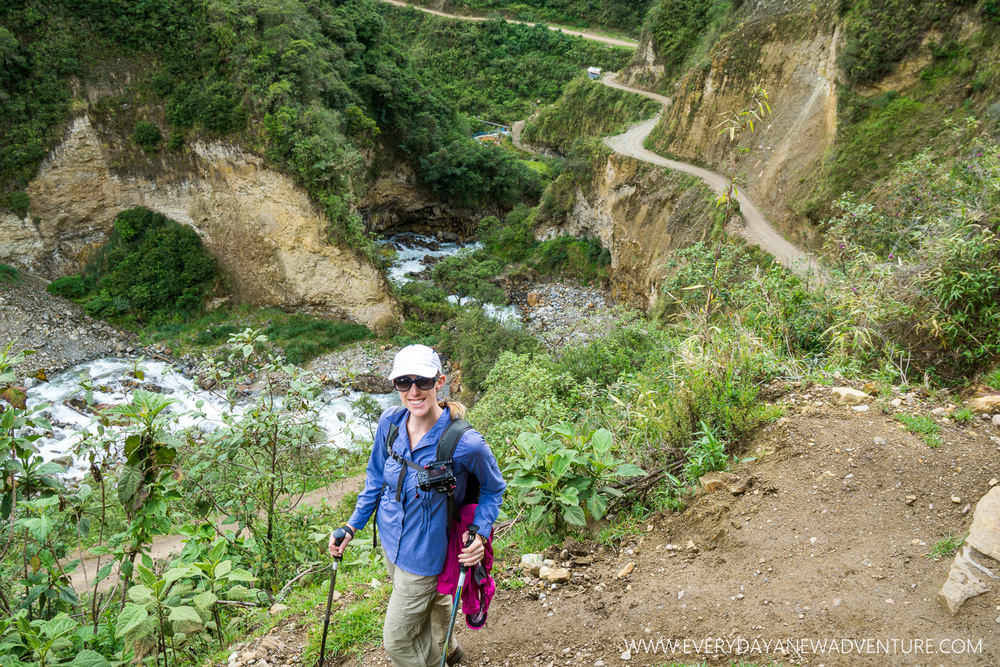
(57, 329)
(848, 396)
(568, 314)
(372, 384)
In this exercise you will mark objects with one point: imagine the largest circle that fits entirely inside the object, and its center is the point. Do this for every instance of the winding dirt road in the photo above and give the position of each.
(631, 142)
(626, 43)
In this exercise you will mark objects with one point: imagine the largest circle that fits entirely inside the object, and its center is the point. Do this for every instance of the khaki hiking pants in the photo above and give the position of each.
(416, 621)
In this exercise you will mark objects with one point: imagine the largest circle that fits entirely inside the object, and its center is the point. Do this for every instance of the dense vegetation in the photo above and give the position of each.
(324, 82)
(620, 15)
(150, 268)
(677, 29)
(497, 71)
(586, 109)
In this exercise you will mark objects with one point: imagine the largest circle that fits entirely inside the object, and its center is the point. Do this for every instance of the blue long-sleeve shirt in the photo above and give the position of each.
(414, 530)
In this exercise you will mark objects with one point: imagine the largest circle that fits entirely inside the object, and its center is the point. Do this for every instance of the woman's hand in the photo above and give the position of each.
(472, 554)
(338, 551)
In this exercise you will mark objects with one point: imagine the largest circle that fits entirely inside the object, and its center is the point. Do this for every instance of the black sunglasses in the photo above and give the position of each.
(404, 383)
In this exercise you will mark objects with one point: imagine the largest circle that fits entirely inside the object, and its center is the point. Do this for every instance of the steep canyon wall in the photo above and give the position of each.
(265, 232)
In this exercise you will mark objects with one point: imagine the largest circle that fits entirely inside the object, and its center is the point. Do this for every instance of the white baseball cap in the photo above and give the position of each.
(417, 360)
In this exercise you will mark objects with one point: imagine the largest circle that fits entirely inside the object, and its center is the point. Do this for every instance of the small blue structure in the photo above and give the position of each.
(594, 72)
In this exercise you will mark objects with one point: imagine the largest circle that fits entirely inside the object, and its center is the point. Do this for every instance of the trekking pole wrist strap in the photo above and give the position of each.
(350, 531)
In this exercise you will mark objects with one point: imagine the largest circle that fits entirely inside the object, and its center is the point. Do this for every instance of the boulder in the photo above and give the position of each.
(964, 582)
(372, 384)
(984, 536)
(717, 481)
(554, 575)
(533, 298)
(985, 404)
(531, 563)
(848, 396)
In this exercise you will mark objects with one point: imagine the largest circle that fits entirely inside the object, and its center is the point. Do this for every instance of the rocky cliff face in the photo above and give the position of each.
(266, 234)
(640, 213)
(788, 46)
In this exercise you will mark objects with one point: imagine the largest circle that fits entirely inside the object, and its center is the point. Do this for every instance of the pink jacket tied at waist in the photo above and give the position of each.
(479, 586)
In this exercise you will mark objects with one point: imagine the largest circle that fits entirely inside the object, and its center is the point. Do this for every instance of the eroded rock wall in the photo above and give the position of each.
(640, 213)
(265, 232)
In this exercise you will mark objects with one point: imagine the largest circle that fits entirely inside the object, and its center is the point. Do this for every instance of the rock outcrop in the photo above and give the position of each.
(265, 232)
(974, 570)
(640, 213)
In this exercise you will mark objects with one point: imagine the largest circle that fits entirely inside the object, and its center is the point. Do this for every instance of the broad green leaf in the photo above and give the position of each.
(140, 595)
(526, 481)
(237, 592)
(40, 527)
(147, 576)
(88, 658)
(103, 573)
(129, 484)
(59, 626)
(240, 575)
(204, 600)
(574, 516)
(597, 505)
(565, 430)
(602, 440)
(562, 463)
(179, 572)
(629, 470)
(185, 619)
(223, 568)
(569, 496)
(537, 513)
(129, 620)
(131, 443)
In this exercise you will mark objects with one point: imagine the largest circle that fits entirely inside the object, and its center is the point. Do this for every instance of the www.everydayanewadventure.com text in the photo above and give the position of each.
(742, 646)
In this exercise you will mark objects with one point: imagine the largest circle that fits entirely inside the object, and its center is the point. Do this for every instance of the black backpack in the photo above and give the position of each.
(444, 453)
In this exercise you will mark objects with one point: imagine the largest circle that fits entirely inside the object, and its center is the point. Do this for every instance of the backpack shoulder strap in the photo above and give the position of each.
(449, 439)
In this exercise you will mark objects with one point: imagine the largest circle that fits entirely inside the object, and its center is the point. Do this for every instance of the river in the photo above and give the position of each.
(111, 382)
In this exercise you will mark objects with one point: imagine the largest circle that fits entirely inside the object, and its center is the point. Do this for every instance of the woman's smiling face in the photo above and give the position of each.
(418, 401)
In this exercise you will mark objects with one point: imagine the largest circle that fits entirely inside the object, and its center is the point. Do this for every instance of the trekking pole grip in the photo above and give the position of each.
(338, 537)
(473, 529)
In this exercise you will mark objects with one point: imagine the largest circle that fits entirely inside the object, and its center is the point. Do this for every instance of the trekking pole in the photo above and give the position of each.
(338, 537)
(473, 529)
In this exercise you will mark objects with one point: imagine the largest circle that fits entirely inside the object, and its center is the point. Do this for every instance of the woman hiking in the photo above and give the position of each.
(414, 522)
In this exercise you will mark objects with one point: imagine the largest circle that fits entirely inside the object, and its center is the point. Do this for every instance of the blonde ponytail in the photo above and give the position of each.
(457, 409)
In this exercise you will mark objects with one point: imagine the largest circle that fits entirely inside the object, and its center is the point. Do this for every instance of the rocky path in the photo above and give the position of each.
(596, 37)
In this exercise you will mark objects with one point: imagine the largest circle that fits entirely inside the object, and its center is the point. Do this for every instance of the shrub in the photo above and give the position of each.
(18, 202)
(520, 386)
(475, 342)
(426, 302)
(147, 136)
(583, 259)
(469, 274)
(151, 268)
(304, 337)
(512, 239)
(8, 274)
(71, 287)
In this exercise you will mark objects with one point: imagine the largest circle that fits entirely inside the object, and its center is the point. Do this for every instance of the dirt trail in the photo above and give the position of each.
(164, 547)
(822, 544)
(613, 41)
(631, 142)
